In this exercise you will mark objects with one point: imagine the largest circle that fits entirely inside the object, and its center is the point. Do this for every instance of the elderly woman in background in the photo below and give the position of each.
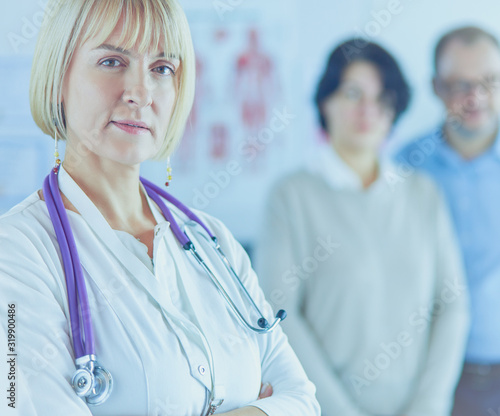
(366, 263)
(153, 334)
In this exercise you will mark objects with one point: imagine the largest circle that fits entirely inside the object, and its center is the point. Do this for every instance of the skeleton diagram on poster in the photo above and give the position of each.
(256, 86)
(237, 86)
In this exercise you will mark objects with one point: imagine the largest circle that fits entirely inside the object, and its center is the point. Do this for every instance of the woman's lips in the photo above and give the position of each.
(131, 129)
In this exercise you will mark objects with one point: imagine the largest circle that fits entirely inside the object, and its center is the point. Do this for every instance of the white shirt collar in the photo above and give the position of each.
(96, 221)
(326, 163)
(69, 187)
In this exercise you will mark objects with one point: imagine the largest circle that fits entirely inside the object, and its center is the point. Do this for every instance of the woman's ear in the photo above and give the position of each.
(60, 107)
(323, 111)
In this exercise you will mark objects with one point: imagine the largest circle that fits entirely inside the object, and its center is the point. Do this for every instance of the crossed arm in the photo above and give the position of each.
(245, 411)
(250, 410)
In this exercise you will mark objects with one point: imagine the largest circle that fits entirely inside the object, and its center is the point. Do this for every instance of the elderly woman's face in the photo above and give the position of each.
(357, 114)
(118, 103)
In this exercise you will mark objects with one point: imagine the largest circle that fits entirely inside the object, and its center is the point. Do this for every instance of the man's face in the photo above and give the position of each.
(468, 83)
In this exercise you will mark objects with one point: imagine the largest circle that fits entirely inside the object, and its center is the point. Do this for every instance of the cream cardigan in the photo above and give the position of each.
(373, 285)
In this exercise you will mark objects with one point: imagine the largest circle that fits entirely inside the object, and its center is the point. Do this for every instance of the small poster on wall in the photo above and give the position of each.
(241, 129)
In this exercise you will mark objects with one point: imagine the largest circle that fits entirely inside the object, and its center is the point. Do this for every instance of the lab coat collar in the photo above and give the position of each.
(99, 225)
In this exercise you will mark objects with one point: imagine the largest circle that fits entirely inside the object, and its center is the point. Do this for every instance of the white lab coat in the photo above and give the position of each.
(157, 333)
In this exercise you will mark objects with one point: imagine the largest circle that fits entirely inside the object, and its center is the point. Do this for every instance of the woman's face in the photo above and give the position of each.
(118, 103)
(358, 114)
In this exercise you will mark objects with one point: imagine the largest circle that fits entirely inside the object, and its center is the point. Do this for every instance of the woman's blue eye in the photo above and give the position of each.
(164, 70)
(114, 62)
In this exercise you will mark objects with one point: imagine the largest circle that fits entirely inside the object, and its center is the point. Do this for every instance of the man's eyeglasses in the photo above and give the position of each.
(462, 88)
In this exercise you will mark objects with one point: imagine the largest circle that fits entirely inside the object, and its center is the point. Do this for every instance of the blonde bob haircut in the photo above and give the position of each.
(149, 24)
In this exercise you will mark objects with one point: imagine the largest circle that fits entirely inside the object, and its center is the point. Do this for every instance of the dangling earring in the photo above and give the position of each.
(56, 153)
(169, 172)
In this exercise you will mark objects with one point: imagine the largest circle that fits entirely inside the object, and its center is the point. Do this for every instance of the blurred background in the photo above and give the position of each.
(253, 121)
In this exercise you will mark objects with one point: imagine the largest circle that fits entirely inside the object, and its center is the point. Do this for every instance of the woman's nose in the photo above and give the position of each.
(138, 90)
(369, 107)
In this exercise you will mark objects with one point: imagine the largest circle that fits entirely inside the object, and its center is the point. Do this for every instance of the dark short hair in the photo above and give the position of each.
(467, 35)
(354, 50)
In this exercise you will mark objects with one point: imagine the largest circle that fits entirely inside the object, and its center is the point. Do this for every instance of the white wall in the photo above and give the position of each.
(298, 35)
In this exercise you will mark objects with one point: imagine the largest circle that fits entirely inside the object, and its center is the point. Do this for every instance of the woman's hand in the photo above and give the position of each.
(266, 390)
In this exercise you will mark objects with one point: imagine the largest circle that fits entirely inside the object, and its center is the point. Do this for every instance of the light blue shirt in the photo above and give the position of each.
(472, 190)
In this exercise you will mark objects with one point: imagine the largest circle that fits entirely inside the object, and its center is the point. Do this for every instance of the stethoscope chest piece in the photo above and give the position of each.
(103, 386)
(82, 382)
(93, 382)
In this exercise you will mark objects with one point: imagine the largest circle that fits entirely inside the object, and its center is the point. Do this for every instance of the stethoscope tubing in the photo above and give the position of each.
(183, 239)
(79, 308)
(189, 246)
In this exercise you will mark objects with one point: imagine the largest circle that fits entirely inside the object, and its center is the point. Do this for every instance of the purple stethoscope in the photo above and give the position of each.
(91, 380)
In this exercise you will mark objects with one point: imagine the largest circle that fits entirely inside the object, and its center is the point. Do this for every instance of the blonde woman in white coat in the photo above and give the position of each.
(115, 79)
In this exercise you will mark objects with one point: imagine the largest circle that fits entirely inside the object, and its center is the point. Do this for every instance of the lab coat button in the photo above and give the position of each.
(202, 370)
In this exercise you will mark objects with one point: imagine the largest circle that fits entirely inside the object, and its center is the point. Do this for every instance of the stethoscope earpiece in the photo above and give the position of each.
(281, 315)
(262, 322)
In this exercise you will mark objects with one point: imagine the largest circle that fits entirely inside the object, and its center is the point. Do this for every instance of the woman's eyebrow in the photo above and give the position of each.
(113, 48)
(109, 47)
